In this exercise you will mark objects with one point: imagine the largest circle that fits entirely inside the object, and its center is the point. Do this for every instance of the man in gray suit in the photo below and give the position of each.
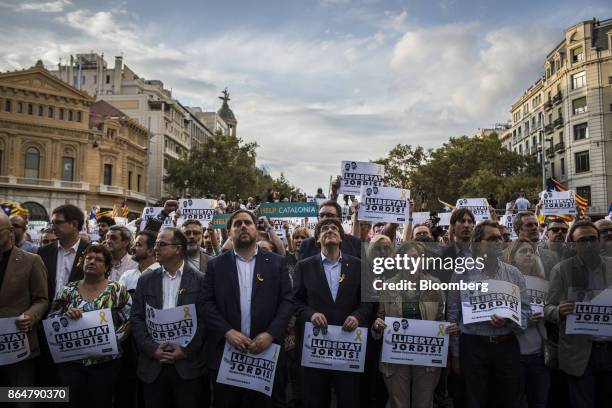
(195, 253)
(586, 359)
(172, 375)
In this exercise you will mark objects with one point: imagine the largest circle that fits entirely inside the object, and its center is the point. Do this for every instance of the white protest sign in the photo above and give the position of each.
(537, 288)
(347, 226)
(94, 230)
(478, 206)
(334, 348)
(310, 223)
(176, 325)
(384, 204)
(508, 222)
(319, 201)
(415, 342)
(444, 218)
(251, 371)
(93, 335)
(501, 298)
(277, 225)
(14, 345)
(420, 217)
(594, 317)
(356, 174)
(558, 203)
(199, 209)
(152, 212)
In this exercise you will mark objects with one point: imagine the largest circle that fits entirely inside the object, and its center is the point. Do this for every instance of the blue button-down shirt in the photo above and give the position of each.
(505, 272)
(332, 273)
(245, 268)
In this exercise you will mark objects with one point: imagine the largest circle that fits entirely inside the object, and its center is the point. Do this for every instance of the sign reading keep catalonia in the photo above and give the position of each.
(288, 210)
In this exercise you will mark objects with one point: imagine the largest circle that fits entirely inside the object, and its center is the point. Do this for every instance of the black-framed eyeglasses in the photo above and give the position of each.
(164, 244)
(558, 229)
(586, 240)
(327, 215)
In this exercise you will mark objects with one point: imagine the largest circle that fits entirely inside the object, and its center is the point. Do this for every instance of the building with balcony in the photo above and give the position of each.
(55, 148)
(527, 122)
(576, 97)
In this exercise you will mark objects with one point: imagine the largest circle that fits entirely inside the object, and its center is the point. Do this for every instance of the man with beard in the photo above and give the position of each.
(247, 303)
(195, 253)
(488, 352)
(144, 254)
(118, 241)
(605, 233)
(462, 224)
(556, 233)
(104, 223)
(587, 359)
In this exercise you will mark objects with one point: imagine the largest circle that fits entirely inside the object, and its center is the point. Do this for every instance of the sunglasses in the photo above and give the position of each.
(556, 230)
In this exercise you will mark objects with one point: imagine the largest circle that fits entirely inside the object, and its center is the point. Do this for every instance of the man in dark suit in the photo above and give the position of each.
(350, 245)
(172, 375)
(64, 262)
(328, 291)
(247, 303)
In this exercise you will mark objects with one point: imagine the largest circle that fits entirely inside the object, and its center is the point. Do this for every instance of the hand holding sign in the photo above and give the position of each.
(74, 314)
(350, 323)
(24, 323)
(319, 320)
(238, 340)
(261, 343)
(497, 321)
(566, 307)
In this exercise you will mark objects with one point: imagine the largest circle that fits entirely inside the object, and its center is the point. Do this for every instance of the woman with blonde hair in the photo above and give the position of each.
(411, 386)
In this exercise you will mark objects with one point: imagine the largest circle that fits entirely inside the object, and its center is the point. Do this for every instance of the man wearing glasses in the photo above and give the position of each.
(20, 226)
(526, 227)
(605, 232)
(586, 359)
(350, 245)
(172, 374)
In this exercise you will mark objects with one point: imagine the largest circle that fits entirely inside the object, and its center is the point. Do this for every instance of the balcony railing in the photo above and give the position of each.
(550, 152)
(548, 129)
(548, 105)
(136, 195)
(557, 98)
(44, 183)
(110, 189)
(558, 122)
(559, 147)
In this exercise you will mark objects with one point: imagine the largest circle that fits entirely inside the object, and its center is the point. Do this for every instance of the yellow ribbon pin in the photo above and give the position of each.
(358, 335)
(514, 291)
(186, 312)
(259, 277)
(103, 317)
(441, 330)
(341, 279)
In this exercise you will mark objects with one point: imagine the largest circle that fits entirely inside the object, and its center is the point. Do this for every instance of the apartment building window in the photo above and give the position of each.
(527, 127)
(534, 141)
(95, 79)
(577, 55)
(521, 148)
(79, 116)
(19, 107)
(582, 162)
(50, 111)
(32, 163)
(67, 168)
(550, 118)
(108, 79)
(74, 80)
(8, 105)
(61, 113)
(584, 192)
(527, 146)
(578, 80)
(70, 115)
(552, 169)
(41, 110)
(129, 180)
(108, 174)
(581, 131)
(579, 105)
(520, 131)
(83, 80)
(138, 180)
(165, 164)
(563, 166)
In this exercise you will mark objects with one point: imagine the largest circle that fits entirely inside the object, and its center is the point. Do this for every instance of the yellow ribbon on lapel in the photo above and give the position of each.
(186, 312)
(342, 277)
(259, 277)
(514, 291)
(103, 317)
(358, 335)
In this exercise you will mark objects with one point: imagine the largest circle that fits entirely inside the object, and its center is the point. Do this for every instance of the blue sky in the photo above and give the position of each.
(315, 82)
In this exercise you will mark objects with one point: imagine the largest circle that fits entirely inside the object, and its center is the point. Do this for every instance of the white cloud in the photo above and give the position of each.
(56, 6)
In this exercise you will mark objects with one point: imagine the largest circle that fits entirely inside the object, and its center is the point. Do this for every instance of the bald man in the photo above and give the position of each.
(23, 296)
(605, 232)
(20, 226)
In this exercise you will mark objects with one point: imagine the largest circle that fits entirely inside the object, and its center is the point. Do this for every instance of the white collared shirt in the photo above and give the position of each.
(130, 278)
(65, 261)
(124, 265)
(245, 268)
(170, 286)
(332, 273)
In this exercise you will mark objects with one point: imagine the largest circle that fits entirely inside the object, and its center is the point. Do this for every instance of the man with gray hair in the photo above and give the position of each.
(119, 241)
(195, 253)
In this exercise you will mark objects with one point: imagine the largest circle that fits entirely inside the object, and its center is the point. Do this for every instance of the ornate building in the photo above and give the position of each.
(49, 154)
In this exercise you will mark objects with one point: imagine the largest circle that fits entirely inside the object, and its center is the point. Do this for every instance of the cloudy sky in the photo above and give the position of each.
(315, 82)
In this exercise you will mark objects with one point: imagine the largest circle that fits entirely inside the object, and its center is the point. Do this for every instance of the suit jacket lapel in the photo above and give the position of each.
(233, 278)
(76, 272)
(185, 283)
(342, 281)
(323, 279)
(259, 272)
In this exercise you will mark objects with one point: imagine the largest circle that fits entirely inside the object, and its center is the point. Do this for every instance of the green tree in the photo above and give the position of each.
(400, 163)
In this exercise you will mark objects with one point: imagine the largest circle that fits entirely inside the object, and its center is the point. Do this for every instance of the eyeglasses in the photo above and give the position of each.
(494, 238)
(526, 251)
(327, 215)
(556, 230)
(329, 228)
(587, 240)
(58, 222)
(163, 244)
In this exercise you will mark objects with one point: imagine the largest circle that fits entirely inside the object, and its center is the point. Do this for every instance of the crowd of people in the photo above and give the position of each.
(251, 289)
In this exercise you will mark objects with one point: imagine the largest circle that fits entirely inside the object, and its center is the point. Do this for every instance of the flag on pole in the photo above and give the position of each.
(447, 206)
(580, 201)
(124, 208)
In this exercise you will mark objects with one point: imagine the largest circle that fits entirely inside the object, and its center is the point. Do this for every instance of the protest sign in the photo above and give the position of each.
(415, 342)
(334, 348)
(93, 335)
(152, 212)
(537, 288)
(478, 206)
(176, 325)
(444, 218)
(558, 203)
(508, 222)
(594, 317)
(319, 201)
(34, 230)
(288, 210)
(279, 230)
(199, 209)
(219, 221)
(310, 223)
(356, 174)
(251, 371)
(420, 217)
(14, 345)
(501, 298)
(384, 204)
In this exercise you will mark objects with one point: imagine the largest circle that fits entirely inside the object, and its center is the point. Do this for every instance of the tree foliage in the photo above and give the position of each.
(222, 164)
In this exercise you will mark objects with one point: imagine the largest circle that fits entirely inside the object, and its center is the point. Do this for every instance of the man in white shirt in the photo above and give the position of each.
(118, 241)
(172, 374)
(144, 254)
